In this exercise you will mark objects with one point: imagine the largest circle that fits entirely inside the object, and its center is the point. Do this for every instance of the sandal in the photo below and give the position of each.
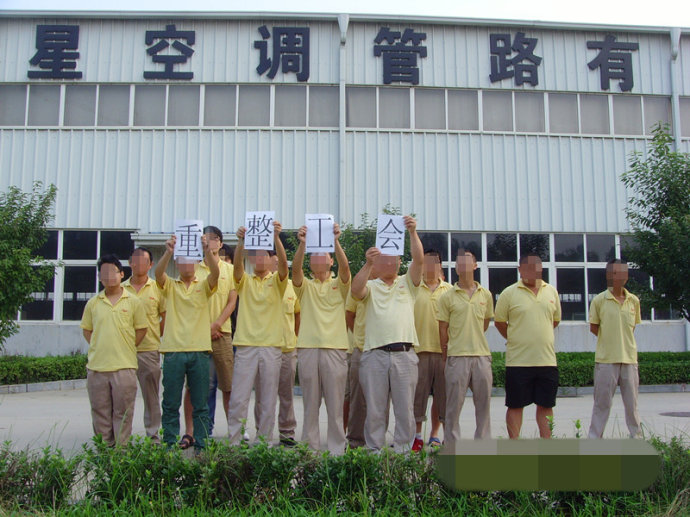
(186, 442)
(434, 442)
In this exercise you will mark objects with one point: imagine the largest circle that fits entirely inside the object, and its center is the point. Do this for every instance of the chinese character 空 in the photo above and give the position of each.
(189, 240)
(612, 63)
(52, 45)
(290, 51)
(259, 230)
(400, 59)
(170, 60)
(503, 66)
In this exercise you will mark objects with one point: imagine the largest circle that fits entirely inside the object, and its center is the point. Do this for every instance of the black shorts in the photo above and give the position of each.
(531, 384)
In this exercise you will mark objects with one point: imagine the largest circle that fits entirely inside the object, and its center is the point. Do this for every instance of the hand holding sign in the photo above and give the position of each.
(320, 236)
(390, 234)
(188, 239)
(259, 230)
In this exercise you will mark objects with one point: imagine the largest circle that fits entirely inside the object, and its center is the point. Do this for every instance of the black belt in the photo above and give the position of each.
(395, 347)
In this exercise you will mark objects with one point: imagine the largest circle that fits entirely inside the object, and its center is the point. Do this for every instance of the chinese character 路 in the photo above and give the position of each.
(503, 66)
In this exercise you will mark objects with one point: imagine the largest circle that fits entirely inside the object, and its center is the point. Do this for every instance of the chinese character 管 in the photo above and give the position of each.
(503, 66)
(170, 60)
(290, 51)
(612, 63)
(52, 45)
(400, 59)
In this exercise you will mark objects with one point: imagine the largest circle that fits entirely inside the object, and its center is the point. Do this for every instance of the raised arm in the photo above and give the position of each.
(162, 265)
(359, 282)
(416, 249)
(298, 259)
(283, 269)
(238, 259)
(340, 257)
(213, 266)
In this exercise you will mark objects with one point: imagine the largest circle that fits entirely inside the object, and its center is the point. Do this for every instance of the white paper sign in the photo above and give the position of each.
(188, 244)
(390, 234)
(320, 236)
(259, 235)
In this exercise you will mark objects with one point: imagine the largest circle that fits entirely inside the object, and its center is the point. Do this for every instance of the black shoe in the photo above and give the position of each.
(288, 442)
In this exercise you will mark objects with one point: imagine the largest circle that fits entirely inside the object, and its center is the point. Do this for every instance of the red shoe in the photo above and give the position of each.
(417, 445)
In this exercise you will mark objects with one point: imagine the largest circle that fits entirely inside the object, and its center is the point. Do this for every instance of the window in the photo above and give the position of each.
(685, 116)
(563, 113)
(119, 243)
(500, 278)
(12, 104)
(360, 107)
(571, 290)
(219, 106)
(80, 105)
(627, 114)
(394, 107)
(600, 248)
(498, 111)
(429, 108)
(79, 244)
(254, 106)
(183, 105)
(80, 285)
(113, 105)
(291, 106)
(149, 105)
(44, 105)
(569, 247)
(535, 243)
(49, 249)
(323, 106)
(437, 241)
(468, 241)
(656, 109)
(42, 306)
(595, 114)
(463, 110)
(501, 247)
(529, 111)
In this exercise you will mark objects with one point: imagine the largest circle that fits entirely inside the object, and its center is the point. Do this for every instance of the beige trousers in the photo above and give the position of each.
(430, 378)
(464, 372)
(112, 396)
(149, 375)
(606, 378)
(260, 364)
(286, 387)
(323, 373)
(382, 373)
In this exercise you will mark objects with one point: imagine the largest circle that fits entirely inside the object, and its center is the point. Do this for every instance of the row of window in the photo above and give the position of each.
(574, 263)
(318, 106)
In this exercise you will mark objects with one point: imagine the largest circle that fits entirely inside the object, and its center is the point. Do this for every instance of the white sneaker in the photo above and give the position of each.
(245, 436)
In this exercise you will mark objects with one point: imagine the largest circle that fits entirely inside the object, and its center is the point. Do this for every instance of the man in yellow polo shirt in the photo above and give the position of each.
(526, 314)
(388, 364)
(288, 366)
(186, 345)
(145, 288)
(613, 316)
(464, 313)
(113, 323)
(322, 342)
(430, 377)
(259, 335)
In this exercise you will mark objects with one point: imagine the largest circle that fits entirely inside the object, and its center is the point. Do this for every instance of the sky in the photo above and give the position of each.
(666, 13)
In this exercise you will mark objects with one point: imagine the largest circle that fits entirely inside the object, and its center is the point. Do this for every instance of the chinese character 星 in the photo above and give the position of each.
(52, 44)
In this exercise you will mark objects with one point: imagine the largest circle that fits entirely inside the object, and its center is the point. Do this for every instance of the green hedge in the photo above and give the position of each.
(575, 368)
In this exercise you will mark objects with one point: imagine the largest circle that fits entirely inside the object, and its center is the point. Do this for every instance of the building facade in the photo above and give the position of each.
(500, 136)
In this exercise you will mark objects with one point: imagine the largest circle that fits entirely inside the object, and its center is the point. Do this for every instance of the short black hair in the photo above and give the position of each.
(432, 251)
(465, 251)
(523, 258)
(228, 250)
(146, 250)
(271, 253)
(215, 230)
(611, 262)
(110, 258)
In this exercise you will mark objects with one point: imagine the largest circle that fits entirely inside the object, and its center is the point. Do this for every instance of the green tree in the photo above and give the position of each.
(23, 219)
(659, 215)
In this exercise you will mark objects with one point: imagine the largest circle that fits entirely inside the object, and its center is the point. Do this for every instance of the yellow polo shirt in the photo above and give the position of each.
(615, 342)
(390, 312)
(290, 308)
(359, 307)
(187, 316)
(261, 315)
(322, 323)
(425, 312)
(219, 300)
(154, 306)
(465, 317)
(530, 323)
(114, 328)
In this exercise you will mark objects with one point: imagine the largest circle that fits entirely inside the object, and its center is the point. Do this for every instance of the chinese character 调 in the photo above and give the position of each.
(400, 59)
(170, 60)
(290, 51)
(612, 63)
(503, 66)
(52, 45)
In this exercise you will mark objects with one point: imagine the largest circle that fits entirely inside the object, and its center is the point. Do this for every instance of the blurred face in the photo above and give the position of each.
(432, 266)
(224, 257)
(531, 270)
(260, 260)
(616, 275)
(274, 263)
(386, 266)
(464, 264)
(110, 276)
(185, 268)
(214, 242)
(320, 262)
(140, 263)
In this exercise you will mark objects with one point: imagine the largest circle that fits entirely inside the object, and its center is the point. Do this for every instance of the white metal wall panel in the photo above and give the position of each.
(113, 50)
(145, 179)
(490, 182)
(459, 57)
(684, 68)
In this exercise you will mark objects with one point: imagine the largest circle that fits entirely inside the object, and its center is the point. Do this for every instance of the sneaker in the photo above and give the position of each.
(434, 442)
(417, 445)
(245, 437)
(288, 442)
